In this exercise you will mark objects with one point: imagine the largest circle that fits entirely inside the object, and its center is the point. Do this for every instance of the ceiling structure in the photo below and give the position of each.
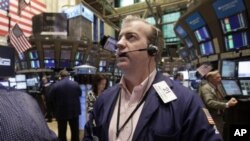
(112, 16)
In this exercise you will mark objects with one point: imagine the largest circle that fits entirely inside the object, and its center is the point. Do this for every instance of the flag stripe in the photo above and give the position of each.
(24, 20)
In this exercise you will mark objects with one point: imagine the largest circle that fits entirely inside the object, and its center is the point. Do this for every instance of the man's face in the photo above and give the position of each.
(216, 79)
(133, 36)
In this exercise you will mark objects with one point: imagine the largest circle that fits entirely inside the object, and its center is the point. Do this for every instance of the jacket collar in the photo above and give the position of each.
(151, 104)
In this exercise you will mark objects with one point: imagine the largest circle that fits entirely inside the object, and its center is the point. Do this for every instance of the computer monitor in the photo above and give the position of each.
(21, 85)
(35, 64)
(188, 42)
(245, 87)
(236, 41)
(4, 83)
(206, 48)
(180, 31)
(228, 68)
(49, 54)
(244, 69)
(65, 64)
(49, 63)
(192, 75)
(202, 34)
(231, 88)
(33, 54)
(32, 82)
(234, 23)
(110, 44)
(20, 78)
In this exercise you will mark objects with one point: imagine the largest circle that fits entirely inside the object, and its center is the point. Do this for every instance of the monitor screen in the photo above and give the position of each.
(180, 31)
(64, 63)
(206, 48)
(202, 34)
(49, 54)
(228, 68)
(12, 79)
(192, 75)
(233, 23)
(245, 87)
(79, 56)
(110, 44)
(33, 55)
(236, 41)
(65, 54)
(7, 61)
(188, 42)
(243, 69)
(20, 77)
(231, 87)
(21, 85)
(49, 63)
(35, 64)
(4, 83)
(32, 82)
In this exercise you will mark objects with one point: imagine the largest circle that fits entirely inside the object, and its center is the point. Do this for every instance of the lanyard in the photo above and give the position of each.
(118, 130)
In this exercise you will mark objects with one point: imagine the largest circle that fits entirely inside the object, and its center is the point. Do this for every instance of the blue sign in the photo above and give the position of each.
(79, 10)
(224, 8)
(195, 21)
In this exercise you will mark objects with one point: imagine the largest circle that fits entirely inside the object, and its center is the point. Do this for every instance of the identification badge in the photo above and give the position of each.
(165, 93)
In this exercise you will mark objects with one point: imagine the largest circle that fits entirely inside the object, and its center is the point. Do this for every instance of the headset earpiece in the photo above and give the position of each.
(152, 50)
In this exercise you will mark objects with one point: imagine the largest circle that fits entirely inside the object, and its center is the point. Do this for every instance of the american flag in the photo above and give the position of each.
(18, 40)
(21, 6)
(24, 20)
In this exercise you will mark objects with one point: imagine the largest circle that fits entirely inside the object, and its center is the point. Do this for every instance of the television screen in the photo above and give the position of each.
(245, 87)
(188, 42)
(49, 63)
(206, 48)
(231, 87)
(33, 55)
(192, 75)
(180, 31)
(243, 69)
(4, 83)
(32, 82)
(79, 56)
(110, 44)
(233, 23)
(35, 64)
(202, 34)
(65, 54)
(236, 41)
(21, 85)
(7, 61)
(228, 68)
(49, 54)
(20, 77)
(64, 63)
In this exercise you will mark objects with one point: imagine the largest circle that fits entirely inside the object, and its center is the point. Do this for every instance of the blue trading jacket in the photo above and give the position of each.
(179, 120)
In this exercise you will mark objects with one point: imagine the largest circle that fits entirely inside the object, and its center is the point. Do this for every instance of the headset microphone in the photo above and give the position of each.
(152, 50)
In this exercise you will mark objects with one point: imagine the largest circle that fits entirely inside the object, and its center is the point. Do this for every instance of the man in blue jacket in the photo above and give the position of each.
(65, 100)
(145, 105)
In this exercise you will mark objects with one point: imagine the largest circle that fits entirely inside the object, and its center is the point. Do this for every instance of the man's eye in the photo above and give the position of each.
(130, 37)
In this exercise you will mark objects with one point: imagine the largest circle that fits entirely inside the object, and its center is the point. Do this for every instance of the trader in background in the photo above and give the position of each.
(21, 118)
(146, 105)
(65, 100)
(179, 77)
(213, 97)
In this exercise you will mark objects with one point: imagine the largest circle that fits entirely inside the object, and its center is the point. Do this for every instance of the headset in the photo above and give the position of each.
(152, 50)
